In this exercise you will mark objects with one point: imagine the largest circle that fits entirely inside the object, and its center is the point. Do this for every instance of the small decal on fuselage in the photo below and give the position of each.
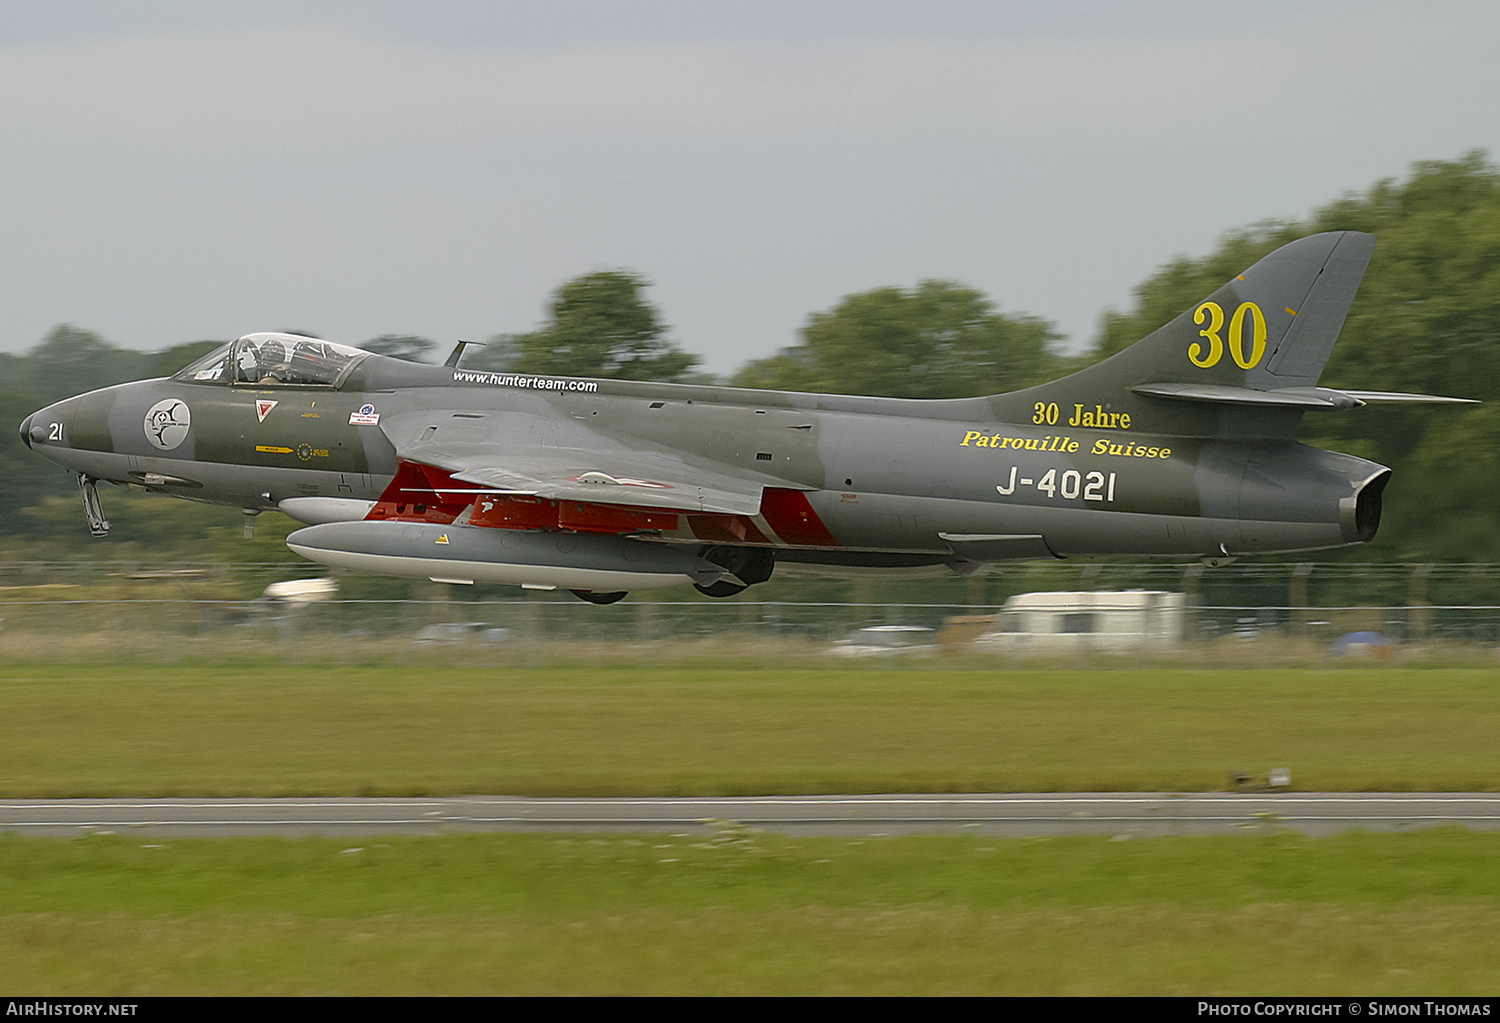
(167, 423)
(531, 383)
(263, 408)
(366, 416)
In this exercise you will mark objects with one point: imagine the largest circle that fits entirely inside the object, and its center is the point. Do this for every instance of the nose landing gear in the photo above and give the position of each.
(92, 509)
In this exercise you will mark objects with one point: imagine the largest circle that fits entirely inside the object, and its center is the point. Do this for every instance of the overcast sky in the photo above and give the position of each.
(178, 169)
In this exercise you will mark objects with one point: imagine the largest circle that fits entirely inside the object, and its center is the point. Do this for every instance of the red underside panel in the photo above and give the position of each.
(412, 496)
(792, 517)
(611, 518)
(726, 529)
(425, 493)
(506, 511)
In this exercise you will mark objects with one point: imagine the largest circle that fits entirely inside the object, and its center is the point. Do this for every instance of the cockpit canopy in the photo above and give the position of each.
(274, 360)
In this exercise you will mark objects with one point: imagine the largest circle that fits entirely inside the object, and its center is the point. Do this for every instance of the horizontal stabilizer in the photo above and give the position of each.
(1288, 397)
(1398, 398)
(1228, 394)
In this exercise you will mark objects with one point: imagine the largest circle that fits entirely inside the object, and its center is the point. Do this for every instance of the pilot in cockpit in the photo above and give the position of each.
(275, 366)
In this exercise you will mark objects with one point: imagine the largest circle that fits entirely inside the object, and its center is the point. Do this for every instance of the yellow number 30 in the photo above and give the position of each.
(1214, 314)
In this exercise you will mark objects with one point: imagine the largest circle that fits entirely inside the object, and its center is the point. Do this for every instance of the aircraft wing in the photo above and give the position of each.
(561, 460)
(663, 481)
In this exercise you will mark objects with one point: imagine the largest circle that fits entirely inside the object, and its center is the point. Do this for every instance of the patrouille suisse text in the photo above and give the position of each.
(1063, 443)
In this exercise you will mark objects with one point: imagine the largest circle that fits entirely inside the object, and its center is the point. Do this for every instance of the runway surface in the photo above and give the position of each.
(1010, 814)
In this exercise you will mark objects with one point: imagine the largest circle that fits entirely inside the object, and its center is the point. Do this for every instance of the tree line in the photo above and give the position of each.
(1427, 318)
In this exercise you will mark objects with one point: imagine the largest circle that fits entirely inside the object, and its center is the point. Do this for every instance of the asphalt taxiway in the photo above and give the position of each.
(1004, 814)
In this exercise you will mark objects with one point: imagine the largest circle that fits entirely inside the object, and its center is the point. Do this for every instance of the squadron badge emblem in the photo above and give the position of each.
(167, 423)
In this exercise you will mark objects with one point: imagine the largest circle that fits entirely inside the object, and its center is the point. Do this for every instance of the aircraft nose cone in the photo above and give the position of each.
(33, 428)
(33, 432)
(46, 430)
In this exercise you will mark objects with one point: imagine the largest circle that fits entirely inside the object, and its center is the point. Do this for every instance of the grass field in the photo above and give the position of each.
(1368, 915)
(742, 913)
(270, 728)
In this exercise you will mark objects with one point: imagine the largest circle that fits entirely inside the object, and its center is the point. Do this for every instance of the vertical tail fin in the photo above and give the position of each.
(1245, 360)
(1298, 359)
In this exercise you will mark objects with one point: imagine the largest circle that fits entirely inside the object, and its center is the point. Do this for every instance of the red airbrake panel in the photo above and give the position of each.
(792, 517)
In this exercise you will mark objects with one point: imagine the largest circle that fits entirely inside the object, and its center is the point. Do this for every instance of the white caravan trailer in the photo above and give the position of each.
(1103, 620)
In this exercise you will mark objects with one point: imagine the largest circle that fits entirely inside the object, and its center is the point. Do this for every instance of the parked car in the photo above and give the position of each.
(460, 632)
(886, 641)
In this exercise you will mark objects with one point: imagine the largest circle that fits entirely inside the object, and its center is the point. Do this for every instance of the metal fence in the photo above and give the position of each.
(71, 609)
(761, 630)
(1268, 582)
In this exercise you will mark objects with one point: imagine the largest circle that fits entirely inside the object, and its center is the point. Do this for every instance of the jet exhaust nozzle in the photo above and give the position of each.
(1359, 515)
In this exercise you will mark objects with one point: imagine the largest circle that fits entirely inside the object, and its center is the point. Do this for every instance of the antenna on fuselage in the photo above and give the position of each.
(458, 351)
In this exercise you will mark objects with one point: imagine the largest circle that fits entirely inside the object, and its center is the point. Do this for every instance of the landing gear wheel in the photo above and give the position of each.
(598, 598)
(750, 565)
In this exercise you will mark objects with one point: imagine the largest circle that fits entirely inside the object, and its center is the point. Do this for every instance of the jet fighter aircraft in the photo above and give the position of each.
(1181, 446)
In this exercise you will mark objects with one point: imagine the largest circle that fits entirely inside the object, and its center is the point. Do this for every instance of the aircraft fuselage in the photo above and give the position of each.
(1182, 445)
(844, 474)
